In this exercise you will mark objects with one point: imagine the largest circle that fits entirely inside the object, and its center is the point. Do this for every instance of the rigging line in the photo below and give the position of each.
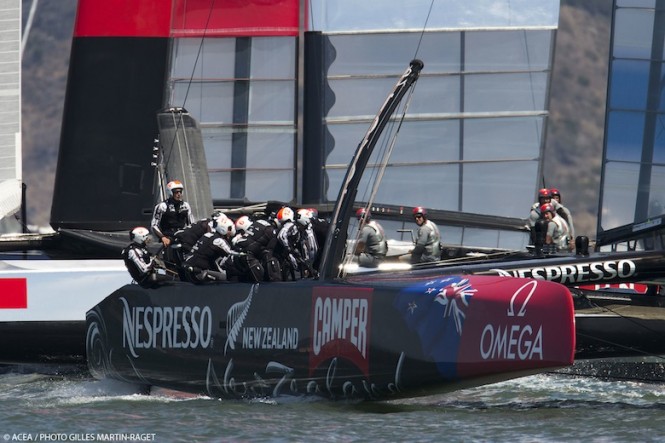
(538, 128)
(618, 345)
(385, 153)
(371, 178)
(28, 26)
(387, 150)
(311, 15)
(422, 33)
(627, 319)
(196, 62)
(198, 53)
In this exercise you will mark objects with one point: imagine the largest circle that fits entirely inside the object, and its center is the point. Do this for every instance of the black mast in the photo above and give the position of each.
(336, 240)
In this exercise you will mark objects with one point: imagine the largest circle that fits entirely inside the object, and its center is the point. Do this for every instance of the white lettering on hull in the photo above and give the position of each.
(511, 342)
(341, 319)
(177, 327)
(514, 341)
(269, 338)
(577, 273)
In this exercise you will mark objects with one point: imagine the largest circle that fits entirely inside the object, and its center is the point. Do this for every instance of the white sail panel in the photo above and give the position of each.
(10, 106)
(334, 16)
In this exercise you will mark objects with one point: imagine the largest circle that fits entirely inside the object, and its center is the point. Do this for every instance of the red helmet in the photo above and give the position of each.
(419, 210)
(554, 192)
(547, 207)
(544, 193)
(362, 212)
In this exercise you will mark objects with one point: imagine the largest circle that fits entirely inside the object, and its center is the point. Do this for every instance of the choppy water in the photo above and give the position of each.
(553, 408)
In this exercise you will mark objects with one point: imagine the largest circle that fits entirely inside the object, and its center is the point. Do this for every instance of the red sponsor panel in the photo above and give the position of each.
(210, 18)
(341, 320)
(516, 325)
(123, 18)
(13, 293)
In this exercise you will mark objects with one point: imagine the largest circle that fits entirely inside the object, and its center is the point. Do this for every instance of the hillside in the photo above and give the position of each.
(574, 133)
(574, 142)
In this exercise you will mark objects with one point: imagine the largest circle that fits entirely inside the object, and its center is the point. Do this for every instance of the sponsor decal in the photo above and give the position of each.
(13, 293)
(517, 325)
(507, 339)
(168, 327)
(576, 273)
(341, 326)
(269, 338)
(501, 325)
(437, 310)
(255, 337)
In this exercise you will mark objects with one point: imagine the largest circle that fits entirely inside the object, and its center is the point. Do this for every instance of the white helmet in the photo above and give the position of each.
(174, 185)
(283, 215)
(217, 218)
(217, 213)
(304, 216)
(225, 226)
(139, 235)
(243, 223)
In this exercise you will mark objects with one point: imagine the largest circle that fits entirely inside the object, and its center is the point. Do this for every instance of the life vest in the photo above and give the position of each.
(142, 254)
(176, 216)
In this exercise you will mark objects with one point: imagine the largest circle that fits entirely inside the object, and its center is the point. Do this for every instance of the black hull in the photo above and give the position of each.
(619, 326)
(239, 340)
(43, 342)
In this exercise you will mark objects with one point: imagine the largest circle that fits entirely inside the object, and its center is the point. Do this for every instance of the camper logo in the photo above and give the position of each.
(341, 320)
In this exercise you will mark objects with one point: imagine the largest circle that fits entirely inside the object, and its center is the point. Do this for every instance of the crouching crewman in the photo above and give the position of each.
(209, 255)
(140, 263)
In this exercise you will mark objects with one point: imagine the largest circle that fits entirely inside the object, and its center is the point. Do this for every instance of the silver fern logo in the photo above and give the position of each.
(235, 318)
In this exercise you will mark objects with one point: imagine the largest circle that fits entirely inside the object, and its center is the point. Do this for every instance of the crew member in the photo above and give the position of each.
(558, 233)
(544, 196)
(288, 239)
(172, 214)
(372, 245)
(428, 238)
(258, 238)
(207, 262)
(320, 227)
(189, 235)
(309, 246)
(140, 264)
(563, 212)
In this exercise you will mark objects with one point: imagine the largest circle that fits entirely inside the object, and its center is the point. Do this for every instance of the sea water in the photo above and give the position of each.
(541, 408)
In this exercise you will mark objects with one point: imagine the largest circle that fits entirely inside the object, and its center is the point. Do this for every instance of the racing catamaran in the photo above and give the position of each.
(373, 338)
(43, 324)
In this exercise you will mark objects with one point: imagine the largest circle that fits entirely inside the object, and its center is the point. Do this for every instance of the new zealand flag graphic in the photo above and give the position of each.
(436, 310)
